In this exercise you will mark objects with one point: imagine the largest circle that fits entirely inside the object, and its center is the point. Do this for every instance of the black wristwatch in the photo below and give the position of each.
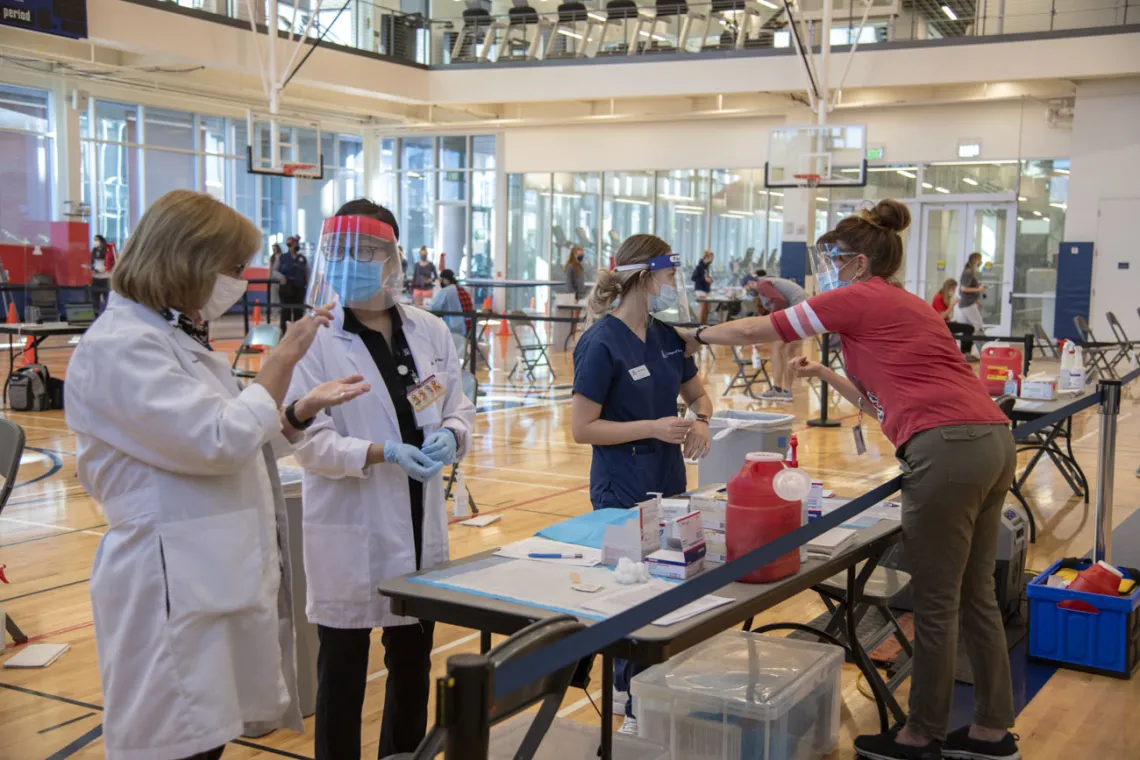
(291, 417)
(697, 335)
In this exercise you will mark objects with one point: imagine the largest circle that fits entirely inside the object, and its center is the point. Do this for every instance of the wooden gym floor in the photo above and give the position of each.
(525, 466)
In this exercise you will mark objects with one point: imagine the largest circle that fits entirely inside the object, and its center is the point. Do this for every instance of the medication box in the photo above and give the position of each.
(739, 696)
(676, 563)
(1039, 387)
(1107, 642)
(637, 536)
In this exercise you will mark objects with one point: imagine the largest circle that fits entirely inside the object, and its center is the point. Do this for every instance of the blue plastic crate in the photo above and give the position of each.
(1107, 642)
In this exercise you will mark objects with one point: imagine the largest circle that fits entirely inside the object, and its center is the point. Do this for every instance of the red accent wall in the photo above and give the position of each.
(64, 257)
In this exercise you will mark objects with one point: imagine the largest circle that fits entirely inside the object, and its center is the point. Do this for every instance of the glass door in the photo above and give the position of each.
(950, 234)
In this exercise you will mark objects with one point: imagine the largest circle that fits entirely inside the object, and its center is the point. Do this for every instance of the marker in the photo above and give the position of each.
(537, 555)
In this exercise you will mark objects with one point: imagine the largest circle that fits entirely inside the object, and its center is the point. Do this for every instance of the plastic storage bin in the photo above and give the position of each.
(567, 740)
(1107, 642)
(740, 696)
(748, 432)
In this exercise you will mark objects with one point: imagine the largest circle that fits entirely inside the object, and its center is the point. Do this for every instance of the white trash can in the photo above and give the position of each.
(736, 433)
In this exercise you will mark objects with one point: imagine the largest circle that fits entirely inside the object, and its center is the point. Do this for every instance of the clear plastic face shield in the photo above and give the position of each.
(833, 264)
(668, 280)
(356, 264)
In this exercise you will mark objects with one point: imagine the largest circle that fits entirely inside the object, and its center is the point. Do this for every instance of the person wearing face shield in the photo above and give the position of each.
(190, 589)
(373, 496)
(629, 368)
(958, 460)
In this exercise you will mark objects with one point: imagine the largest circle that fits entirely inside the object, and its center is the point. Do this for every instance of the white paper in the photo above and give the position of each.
(536, 545)
(482, 521)
(884, 510)
(36, 656)
(619, 601)
(832, 539)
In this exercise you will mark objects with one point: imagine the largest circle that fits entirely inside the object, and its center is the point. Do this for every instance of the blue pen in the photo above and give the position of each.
(538, 555)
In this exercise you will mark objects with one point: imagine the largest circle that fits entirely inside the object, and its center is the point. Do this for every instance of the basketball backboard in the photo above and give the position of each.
(837, 153)
(284, 146)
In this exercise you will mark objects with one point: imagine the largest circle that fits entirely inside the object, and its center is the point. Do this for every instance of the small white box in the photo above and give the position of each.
(718, 558)
(673, 563)
(709, 500)
(1039, 387)
(671, 509)
(717, 521)
(633, 539)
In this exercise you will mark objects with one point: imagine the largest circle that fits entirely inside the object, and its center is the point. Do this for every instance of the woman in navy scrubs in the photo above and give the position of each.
(629, 369)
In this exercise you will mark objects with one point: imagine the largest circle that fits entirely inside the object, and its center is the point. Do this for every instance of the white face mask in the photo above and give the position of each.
(227, 291)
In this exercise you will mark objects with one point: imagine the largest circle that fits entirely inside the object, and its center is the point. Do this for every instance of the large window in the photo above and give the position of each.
(132, 155)
(26, 171)
(1042, 203)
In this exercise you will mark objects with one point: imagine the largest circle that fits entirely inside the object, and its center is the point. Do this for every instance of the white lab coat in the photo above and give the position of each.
(189, 592)
(357, 519)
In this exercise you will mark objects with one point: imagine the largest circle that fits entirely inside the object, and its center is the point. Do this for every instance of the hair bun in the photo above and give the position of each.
(890, 214)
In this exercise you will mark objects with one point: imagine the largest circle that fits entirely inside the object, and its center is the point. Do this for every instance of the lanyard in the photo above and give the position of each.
(857, 431)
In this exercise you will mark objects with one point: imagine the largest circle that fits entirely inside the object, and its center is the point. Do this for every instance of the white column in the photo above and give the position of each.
(499, 236)
(67, 175)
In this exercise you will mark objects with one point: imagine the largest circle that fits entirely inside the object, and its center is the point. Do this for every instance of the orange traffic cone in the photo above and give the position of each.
(13, 317)
(487, 303)
(532, 303)
(26, 354)
(257, 314)
(504, 328)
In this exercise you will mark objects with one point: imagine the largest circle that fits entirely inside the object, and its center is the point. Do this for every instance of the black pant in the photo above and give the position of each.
(100, 288)
(342, 671)
(292, 304)
(963, 328)
(214, 754)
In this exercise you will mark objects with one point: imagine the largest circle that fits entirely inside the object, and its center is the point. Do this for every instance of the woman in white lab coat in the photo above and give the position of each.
(189, 592)
(373, 496)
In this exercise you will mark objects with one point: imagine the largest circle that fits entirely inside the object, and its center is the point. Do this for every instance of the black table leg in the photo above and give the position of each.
(878, 687)
(607, 752)
(484, 642)
(245, 311)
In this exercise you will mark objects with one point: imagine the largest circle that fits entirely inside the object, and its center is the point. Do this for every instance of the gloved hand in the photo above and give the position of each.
(440, 446)
(417, 464)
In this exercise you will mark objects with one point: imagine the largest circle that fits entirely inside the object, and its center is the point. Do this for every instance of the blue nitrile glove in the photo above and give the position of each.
(417, 464)
(440, 446)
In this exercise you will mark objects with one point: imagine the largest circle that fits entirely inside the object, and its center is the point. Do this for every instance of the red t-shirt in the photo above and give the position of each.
(938, 303)
(899, 354)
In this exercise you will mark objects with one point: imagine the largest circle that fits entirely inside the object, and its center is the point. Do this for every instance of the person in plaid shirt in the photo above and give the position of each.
(453, 297)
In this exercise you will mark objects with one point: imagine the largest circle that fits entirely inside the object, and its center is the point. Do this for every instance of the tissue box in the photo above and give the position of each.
(677, 564)
(1040, 387)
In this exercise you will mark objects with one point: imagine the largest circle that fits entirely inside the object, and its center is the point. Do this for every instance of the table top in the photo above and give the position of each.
(47, 328)
(648, 645)
(1022, 413)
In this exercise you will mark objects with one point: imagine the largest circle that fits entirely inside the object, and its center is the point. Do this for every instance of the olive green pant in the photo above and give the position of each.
(955, 481)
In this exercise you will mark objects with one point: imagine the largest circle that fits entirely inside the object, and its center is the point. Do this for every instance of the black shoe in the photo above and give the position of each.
(960, 746)
(885, 747)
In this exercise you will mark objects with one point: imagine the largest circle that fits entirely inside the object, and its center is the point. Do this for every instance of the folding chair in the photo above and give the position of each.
(1128, 348)
(547, 691)
(747, 375)
(532, 351)
(263, 337)
(471, 391)
(11, 449)
(1043, 342)
(883, 584)
(1096, 353)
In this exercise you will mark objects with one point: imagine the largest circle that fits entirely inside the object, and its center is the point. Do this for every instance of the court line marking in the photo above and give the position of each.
(438, 650)
(90, 706)
(55, 535)
(477, 467)
(521, 503)
(65, 723)
(512, 482)
(78, 744)
(571, 709)
(44, 591)
(49, 526)
(1096, 427)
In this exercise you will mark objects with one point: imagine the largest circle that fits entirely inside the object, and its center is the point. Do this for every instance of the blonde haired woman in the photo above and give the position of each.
(189, 593)
(628, 371)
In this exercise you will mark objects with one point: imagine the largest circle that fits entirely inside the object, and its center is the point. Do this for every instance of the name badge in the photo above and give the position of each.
(422, 397)
(639, 373)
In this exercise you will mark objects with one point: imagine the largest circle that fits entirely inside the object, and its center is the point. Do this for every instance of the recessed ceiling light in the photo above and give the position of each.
(1037, 213)
(904, 173)
(949, 12)
(942, 190)
(1022, 199)
(927, 186)
(970, 181)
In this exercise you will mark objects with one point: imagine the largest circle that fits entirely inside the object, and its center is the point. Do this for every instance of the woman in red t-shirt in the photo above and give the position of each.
(957, 457)
(944, 303)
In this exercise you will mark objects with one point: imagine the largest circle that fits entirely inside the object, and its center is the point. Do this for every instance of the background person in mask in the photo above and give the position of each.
(292, 273)
(423, 278)
(373, 496)
(957, 457)
(189, 592)
(628, 371)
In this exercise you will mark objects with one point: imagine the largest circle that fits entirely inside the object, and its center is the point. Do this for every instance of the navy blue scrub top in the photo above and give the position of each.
(605, 357)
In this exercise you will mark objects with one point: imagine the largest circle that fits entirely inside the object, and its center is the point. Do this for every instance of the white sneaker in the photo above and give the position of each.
(628, 727)
(784, 397)
(620, 698)
(772, 395)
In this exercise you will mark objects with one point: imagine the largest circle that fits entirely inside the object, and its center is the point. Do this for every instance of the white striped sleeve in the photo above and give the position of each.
(804, 321)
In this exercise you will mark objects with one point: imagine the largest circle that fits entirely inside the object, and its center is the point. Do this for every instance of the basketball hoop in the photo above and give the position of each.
(300, 170)
(808, 180)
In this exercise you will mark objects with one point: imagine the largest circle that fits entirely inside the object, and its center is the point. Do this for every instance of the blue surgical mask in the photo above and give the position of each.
(830, 281)
(664, 301)
(355, 281)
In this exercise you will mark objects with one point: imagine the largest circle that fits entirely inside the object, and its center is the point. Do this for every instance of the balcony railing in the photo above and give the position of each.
(485, 32)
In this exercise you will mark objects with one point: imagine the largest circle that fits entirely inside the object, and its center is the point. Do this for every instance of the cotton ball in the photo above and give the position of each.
(642, 572)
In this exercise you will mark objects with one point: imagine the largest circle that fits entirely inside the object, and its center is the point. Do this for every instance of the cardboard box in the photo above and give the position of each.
(683, 532)
(1039, 387)
(633, 539)
(677, 564)
(709, 500)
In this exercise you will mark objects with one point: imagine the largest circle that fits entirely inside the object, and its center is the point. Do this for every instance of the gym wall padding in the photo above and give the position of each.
(1074, 287)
